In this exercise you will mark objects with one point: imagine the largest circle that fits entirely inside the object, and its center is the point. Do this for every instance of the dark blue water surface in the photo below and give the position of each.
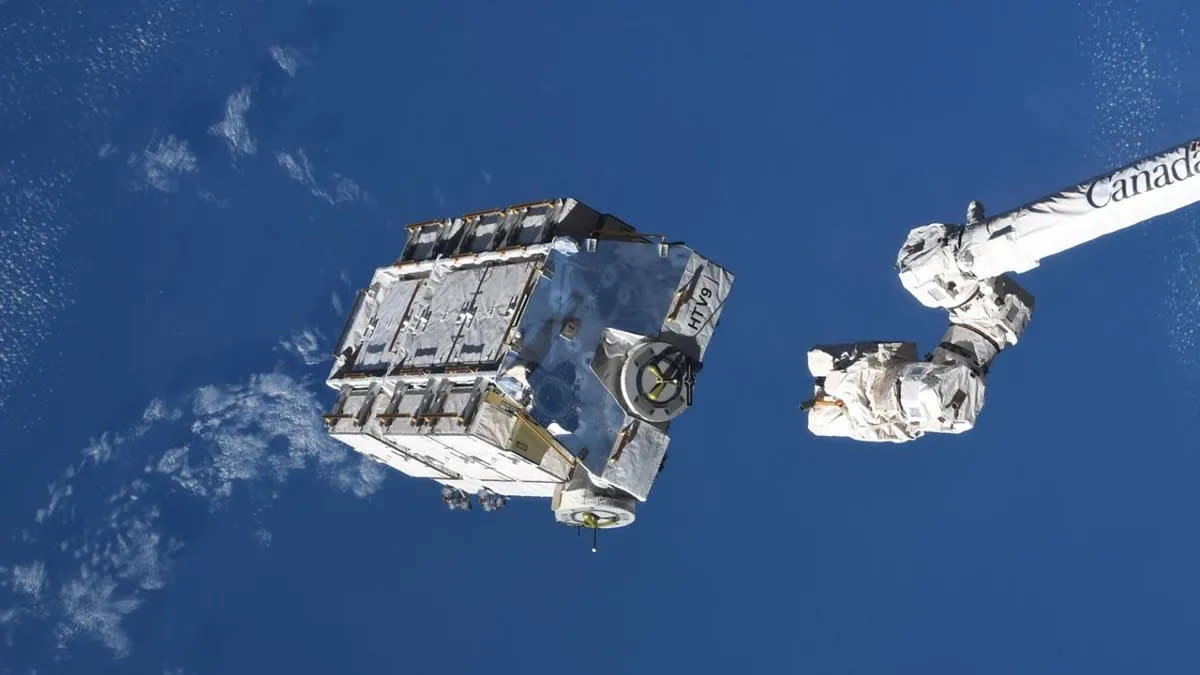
(169, 503)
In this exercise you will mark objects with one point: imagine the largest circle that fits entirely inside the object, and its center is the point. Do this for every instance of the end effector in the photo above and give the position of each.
(880, 391)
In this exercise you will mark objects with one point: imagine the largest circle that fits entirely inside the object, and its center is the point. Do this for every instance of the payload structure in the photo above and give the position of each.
(880, 391)
(539, 350)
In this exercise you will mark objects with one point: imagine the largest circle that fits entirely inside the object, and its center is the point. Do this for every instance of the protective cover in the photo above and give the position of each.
(941, 398)
(824, 359)
(855, 395)
(878, 392)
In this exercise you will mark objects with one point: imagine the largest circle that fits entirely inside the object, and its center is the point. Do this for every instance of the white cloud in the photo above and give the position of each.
(160, 165)
(93, 606)
(58, 494)
(211, 198)
(306, 345)
(300, 169)
(233, 127)
(1126, 73)
(362, 478)
(102, 72)
(31, 291)
(345, 189)
(264, 536)
(141, 554)
(99, 450)
(156, 411)
(222, 439)
(1134, 71)
(29, 580)
(287, 58)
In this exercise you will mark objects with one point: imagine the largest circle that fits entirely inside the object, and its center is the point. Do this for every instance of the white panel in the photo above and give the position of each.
(455, 459)
(506, 488)
(470, 314)
(466, 485)
(508, 463)
(393, 304)
(491, 311)
(374, 447)
(700, 296)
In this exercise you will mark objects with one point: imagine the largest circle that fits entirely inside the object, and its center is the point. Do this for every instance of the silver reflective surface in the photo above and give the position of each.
(622, 285)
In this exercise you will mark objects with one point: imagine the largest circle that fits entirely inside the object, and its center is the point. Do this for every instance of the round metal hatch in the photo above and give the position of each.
(656, 381)
(582, 507)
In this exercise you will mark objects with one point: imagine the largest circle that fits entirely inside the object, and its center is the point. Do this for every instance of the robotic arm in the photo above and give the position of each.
(880, 391)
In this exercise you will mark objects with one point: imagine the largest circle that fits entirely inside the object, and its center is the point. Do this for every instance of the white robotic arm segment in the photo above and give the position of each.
(938, 263)
(879, 391)
(886, 395)
(997, 313)
(929, 268)
(1017, 240)
(855, 391)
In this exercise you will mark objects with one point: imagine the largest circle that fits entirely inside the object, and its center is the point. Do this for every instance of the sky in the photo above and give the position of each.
(191, 195)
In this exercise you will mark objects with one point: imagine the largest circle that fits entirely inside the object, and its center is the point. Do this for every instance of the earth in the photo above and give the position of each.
(192, 193)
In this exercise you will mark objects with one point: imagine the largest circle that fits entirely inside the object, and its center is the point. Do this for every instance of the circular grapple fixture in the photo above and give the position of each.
(581, 505)
(656, 381)
(541, 350)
